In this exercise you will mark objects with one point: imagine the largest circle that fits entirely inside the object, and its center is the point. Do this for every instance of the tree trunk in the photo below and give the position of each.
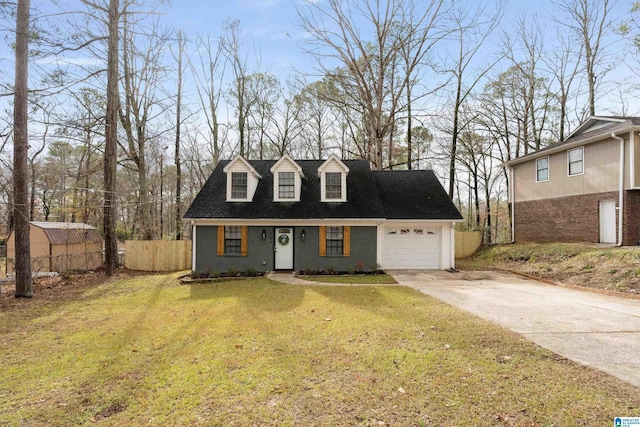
(487, 195)
(145, 203)
(24, 283)
(409, 138)
(454, 140)
(177, 147)
(111, 144)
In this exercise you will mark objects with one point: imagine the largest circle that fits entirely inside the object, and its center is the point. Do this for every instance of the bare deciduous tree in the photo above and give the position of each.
(209, 74)
(336, 34)
(472, 28)
(238, 95)
(588, 20)
(181, 41)
(142, 75)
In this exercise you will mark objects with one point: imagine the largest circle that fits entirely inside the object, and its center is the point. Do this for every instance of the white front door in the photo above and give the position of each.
(607, 221)
(284, 248)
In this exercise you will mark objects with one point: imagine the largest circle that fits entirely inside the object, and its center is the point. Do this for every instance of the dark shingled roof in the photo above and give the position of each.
(414, 194)
(370, 194)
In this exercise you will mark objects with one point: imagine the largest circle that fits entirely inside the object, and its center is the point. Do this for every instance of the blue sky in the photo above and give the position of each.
(271, 30)
(269, 26)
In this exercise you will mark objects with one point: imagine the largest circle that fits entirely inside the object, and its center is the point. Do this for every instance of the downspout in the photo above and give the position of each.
(193, 246)
(620, 189)
(452, 238)
(513, 205)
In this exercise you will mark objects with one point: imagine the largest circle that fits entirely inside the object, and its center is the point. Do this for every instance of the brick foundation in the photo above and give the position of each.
(631, 214)
(568, 219)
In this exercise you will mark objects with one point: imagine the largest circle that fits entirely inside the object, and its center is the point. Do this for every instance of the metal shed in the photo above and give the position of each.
(60, 247)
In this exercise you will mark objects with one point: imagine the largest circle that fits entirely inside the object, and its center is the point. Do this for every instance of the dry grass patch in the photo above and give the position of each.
(149, 351)
(615, 269)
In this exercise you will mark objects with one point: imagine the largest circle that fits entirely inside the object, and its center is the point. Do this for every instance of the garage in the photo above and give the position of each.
(412, 247)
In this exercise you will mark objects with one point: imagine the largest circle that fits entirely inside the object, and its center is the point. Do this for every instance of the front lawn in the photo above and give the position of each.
(150, 351)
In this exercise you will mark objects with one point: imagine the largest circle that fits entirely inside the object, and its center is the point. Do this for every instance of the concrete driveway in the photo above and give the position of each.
(596, 330)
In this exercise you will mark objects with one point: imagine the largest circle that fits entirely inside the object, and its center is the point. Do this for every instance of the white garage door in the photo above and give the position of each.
(413, 247)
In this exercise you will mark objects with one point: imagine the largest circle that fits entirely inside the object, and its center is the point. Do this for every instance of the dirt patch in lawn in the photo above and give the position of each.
(63, 287)
(612, 269)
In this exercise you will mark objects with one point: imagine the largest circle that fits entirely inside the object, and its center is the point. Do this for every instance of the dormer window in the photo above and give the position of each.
(333, 180)
(238, 185)
(287, 180)
(286, 185)
(242, 180)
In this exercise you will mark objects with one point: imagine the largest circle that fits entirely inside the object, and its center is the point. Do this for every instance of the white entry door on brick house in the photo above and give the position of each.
(607, 221)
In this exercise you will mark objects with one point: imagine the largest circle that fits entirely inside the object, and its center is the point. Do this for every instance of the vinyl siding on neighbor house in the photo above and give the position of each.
(601, 173)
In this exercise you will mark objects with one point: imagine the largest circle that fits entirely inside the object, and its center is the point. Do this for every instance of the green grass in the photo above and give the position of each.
(149, 351)
(363, 279)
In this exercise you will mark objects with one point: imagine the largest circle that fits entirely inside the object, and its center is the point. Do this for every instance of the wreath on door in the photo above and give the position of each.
(283, 239)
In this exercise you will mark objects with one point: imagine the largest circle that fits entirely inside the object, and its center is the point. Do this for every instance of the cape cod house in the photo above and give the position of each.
(583, 189)
(291, 214)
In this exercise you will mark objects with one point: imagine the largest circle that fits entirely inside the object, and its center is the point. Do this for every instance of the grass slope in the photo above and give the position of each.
(149, 351)
(615, 269)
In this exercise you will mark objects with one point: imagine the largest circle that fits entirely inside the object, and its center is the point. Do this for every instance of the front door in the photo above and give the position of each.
(284, 248)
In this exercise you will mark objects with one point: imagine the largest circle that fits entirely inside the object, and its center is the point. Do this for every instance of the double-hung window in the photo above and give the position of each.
(335, 240)
(238, 185)
(232, 240)
(542, 169)
(333, 182)
(575, 158)
(286, 185)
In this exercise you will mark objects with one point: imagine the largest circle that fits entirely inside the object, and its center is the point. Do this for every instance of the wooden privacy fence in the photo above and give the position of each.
(157, 255)
(467, 242)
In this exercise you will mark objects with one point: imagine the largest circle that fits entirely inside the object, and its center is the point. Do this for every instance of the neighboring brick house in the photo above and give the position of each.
(583, 189)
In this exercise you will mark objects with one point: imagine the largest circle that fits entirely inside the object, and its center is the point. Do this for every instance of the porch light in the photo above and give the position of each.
(303, 235)
(264, 234)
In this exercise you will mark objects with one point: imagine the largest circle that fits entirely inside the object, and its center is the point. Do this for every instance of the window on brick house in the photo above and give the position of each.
(542, 169)
(576, 161)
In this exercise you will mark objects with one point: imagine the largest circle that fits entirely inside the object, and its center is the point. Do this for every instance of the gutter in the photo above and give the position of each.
(513, 205)
(620, 189)
(569, 145)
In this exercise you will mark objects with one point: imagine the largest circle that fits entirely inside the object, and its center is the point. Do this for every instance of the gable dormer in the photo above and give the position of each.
(287, 180)
(242, 180)
(333, 180)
